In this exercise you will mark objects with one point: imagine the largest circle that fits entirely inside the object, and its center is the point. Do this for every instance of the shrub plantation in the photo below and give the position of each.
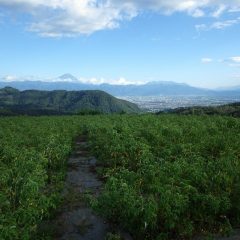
(166, 177)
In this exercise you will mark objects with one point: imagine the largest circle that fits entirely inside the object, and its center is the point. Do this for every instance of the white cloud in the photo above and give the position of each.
(201, 27)
(220, 10)
(198, 13)
(236, 76)
(119, 81)
(234, 9)
(233, 61)
(224, 24)
(9, 78)
(219, 25)
(206, 60)
(56, 18)
(91, 80)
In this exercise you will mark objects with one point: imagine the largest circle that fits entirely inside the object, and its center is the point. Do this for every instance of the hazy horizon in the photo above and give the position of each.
(94, 81)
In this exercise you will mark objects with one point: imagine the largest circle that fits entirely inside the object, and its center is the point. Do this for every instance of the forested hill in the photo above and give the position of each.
(232, 109)
(34, 102)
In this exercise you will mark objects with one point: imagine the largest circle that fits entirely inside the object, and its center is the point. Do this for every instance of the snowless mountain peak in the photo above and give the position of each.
(68, 78)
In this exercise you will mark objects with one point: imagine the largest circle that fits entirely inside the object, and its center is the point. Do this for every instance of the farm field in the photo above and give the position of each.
(165, 177)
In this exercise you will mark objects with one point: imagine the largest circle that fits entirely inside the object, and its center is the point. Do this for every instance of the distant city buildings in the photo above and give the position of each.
(159, 103)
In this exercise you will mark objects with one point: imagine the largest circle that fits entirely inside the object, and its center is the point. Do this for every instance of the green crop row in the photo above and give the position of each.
(166, 177)
(169, 177)
(33, 154)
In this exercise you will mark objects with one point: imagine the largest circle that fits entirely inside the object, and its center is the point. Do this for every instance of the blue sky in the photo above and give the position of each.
(196, 42)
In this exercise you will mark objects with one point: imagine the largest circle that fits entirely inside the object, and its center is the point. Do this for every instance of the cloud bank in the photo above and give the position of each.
(230, 61)
(57, 18)
(233, 61)
(73, 79)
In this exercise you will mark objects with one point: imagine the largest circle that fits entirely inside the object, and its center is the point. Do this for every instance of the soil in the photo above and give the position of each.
(76, 220)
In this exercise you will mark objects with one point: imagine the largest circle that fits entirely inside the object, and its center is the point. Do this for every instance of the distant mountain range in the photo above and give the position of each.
(71, 83)
(35, 102)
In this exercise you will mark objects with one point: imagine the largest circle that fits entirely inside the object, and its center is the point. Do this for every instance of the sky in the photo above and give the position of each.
(122, 41)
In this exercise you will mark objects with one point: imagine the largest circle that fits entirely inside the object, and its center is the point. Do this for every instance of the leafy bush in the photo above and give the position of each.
(166, 176)
(169, 176)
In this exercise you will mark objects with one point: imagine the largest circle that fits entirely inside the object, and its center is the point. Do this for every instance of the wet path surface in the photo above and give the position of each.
(235, 235)
(77, 221)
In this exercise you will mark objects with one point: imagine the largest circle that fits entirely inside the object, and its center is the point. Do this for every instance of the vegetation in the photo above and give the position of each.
(33, 154)
(166, 177)
(232, 109)
(33, 102)
(170, 176)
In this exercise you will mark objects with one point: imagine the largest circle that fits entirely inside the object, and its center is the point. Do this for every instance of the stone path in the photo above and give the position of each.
(77, 221)
(235, 235)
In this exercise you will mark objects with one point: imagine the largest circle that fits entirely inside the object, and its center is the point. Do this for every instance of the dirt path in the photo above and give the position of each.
(235, 235)
(77, 221)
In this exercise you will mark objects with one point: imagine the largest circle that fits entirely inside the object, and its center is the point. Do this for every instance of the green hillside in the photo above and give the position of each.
(232, 109)
(34, 102)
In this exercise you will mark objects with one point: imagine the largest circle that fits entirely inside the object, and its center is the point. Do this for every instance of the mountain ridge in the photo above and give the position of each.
(156, 88)
(37, 102)
(232, 109)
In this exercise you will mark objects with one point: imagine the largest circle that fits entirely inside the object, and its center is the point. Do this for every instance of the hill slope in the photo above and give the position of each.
(232, 109)
(34, 102)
